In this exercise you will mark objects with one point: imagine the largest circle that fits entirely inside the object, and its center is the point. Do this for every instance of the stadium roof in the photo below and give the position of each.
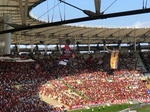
(19, 12)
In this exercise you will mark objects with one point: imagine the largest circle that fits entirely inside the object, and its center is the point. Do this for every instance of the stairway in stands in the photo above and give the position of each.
(140, 64)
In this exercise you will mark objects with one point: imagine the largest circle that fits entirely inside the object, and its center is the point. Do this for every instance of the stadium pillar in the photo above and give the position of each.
(120, 40)
(5, 38)
(75, 41)
(18, 50)
(134, 40)
(59, 45)
(32, 47)
(120, 47)
(31, 44)
(134, 44)
(46, 48)
(89, 47)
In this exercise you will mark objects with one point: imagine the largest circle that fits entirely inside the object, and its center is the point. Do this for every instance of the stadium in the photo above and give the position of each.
(109, 72)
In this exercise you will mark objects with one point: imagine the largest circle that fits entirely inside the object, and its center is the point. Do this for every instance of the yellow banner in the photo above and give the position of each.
(114, 59)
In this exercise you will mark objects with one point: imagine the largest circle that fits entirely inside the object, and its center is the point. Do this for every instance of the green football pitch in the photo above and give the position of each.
(113, 108)
(144, 109)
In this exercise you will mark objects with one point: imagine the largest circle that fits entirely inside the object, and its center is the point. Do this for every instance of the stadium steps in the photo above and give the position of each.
(140, 62)
(77, 92)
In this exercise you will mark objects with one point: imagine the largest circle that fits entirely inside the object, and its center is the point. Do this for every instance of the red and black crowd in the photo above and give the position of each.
(88, 76)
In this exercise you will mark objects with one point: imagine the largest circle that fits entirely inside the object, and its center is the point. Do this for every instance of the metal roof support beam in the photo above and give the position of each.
(23, 10)
(104, 16)
(26, 10)
(97, 6)
(8, 6)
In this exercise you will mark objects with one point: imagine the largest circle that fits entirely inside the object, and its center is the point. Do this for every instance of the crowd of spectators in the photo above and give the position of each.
(85, 82)
(94, 85)
(19, 85)
(97, 88)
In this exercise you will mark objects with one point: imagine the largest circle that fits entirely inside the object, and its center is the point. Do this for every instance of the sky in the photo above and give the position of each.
(53, 10)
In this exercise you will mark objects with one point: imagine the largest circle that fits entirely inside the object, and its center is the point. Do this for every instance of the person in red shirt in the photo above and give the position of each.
(67, 54)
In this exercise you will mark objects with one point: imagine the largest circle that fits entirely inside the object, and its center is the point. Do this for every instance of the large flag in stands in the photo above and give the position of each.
(114, 59)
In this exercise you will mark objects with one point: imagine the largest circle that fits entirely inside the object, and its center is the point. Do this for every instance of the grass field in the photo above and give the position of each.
(113, 108)
(144, 109)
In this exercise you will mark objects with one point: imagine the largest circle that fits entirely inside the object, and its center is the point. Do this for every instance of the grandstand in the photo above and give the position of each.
(32, 81)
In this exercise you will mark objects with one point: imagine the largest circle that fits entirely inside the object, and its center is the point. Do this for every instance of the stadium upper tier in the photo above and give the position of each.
(20, 17)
